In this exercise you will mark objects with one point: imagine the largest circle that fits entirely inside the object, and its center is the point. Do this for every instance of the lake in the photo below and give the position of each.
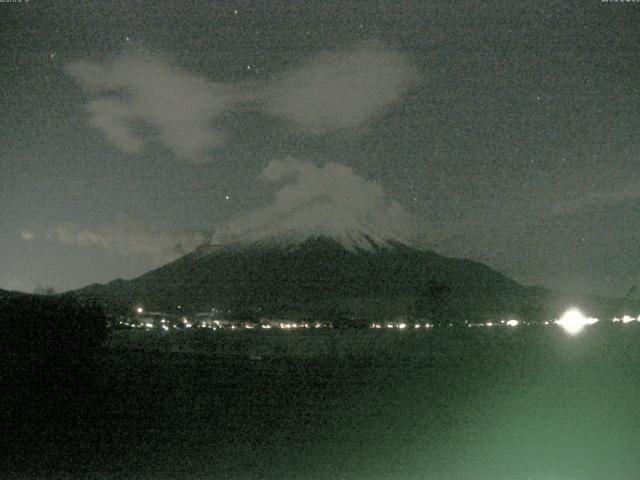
(464, 404)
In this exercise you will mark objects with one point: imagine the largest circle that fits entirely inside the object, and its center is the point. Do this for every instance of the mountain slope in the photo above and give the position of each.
(321, 276)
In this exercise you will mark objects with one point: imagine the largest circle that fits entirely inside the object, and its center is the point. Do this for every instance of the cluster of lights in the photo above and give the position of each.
(400, 326)
(573, 321)
(509, 323)
(294, 325)
(626, 319)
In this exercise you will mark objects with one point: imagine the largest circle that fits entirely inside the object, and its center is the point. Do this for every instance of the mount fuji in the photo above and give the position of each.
(351, 274)
(348, 275)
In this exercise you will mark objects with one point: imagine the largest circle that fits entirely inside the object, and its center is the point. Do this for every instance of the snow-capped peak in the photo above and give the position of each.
(351, 239)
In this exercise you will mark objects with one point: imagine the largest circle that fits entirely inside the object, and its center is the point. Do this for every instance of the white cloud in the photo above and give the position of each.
(113, 118)
(138, 89)
(332, 91)
(330, 200)
(127, 237)
(341, 90)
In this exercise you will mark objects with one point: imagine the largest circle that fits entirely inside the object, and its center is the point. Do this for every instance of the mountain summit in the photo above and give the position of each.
(352, 240)
(349, 276)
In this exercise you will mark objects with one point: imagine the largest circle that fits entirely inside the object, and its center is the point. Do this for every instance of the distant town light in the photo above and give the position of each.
(139, 310)
(573, 321)
(627, 319)
(513, 323)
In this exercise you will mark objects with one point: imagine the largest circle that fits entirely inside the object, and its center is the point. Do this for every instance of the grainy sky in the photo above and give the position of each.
(505, 132)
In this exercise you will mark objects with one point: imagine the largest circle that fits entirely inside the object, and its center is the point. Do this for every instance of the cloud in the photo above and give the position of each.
(134, 91)
(127, 237)
(137, 100)
(331, 200)
(341, 90)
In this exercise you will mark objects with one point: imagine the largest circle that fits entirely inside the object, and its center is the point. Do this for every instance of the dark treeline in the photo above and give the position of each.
(47, 355)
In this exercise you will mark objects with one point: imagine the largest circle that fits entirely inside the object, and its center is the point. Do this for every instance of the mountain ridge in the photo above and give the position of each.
(320, 277)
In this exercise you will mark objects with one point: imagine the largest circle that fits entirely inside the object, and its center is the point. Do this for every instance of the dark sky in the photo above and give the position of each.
(505, 132)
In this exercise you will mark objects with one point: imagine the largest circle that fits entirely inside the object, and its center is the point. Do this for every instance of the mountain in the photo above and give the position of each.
(7, 294)
(354, 276)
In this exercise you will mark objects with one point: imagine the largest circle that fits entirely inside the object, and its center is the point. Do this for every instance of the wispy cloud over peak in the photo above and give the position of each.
(328, 200)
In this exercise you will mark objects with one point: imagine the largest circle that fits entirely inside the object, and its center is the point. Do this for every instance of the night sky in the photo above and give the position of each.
(504, 132)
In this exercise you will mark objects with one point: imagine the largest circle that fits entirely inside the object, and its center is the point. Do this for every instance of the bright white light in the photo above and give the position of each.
(139, 309)
(488, 324)
(573, 321)
(513, 323)
(165, 328)
(149, 325)
(402, 325)
(627, 319)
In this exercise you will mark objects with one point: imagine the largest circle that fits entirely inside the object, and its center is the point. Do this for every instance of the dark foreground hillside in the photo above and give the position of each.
(48, 348)
(482, 405)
